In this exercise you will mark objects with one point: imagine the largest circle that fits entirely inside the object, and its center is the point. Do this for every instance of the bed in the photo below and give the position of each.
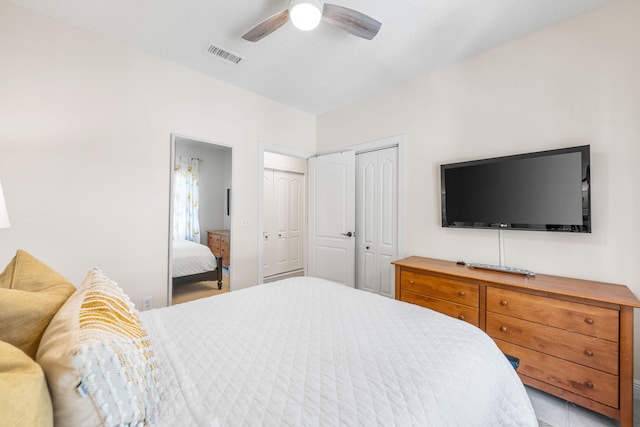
(193, 262)
(299, 352)
(305, 351)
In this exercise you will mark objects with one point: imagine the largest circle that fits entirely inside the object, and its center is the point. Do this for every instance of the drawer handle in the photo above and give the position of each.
(461, 317)
(461, 293)
(589, 321)
(504, 303)
(588, 353)
(589, 384)
(503, 328)
(411, 282)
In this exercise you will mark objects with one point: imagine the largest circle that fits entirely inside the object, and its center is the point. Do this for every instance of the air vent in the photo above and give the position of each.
(222, 54)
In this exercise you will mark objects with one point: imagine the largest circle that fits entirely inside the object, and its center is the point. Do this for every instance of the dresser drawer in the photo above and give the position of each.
(213, 241)
(586, 319)
(462, 312)
(583, 349)
(224, 245)
(452, 290)
(587, 382)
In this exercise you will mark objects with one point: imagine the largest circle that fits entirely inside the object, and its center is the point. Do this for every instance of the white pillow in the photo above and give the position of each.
(98, 359)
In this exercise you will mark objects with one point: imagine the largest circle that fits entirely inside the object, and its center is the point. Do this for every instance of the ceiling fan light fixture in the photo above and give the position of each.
(305, 14)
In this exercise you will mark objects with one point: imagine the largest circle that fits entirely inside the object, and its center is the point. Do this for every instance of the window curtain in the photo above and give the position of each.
(186, 200)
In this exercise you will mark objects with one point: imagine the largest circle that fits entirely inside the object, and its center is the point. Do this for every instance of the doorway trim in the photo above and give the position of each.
(172, 156)
(276, 149)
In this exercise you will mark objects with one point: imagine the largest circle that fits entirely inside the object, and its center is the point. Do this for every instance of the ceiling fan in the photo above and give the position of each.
(306, 15)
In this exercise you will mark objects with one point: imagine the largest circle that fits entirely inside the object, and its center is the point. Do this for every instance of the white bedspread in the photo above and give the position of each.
(308, 352)
(191, 258)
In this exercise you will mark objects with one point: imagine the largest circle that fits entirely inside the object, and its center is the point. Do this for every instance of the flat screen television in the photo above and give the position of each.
(543, 191)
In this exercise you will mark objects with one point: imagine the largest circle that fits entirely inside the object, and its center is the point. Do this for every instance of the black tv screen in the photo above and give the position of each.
(544, 191)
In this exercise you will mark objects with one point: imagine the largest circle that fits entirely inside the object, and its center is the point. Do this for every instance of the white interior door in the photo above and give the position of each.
(331, 248)
(288, 199)
(283, 222)
(377, 220)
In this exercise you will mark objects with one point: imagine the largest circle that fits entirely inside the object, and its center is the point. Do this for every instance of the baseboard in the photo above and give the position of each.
(636, 389)
(286, 275)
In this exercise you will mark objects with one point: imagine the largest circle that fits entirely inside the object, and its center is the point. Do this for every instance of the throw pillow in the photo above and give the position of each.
(30, 294)
(24, 398)
(98, 359)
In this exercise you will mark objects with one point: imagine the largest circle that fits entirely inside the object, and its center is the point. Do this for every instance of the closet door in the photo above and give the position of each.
(295, 224)
(284, 220)
(377, 220)
(331, 253)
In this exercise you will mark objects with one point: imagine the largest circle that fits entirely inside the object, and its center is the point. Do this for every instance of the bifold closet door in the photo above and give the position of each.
(284, 221)
(376, 220)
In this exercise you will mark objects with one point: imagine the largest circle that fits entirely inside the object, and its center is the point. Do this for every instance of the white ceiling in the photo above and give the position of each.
(320, 70)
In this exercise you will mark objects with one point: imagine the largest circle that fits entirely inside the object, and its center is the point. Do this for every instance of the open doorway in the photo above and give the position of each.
(199, 231)
(284, 217)
(282, 213)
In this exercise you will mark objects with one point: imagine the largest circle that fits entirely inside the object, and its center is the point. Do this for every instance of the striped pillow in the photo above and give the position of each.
(98, 359)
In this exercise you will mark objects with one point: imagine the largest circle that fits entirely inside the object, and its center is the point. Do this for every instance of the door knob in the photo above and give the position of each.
(348, 234)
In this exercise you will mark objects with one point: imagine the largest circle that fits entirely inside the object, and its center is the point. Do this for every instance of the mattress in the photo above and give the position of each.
(309, 352)
(189, 258)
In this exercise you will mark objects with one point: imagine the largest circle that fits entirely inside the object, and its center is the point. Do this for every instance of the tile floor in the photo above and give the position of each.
(554, 412)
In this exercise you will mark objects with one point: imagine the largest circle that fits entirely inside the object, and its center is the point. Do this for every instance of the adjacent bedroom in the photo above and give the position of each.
(200, 188)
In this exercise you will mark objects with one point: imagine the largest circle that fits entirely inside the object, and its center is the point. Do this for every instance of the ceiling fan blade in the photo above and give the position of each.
(267, 26)
(351, 21)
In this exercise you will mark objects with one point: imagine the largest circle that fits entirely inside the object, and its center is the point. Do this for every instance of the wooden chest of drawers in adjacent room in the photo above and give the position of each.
(219, 243)
(574, 338)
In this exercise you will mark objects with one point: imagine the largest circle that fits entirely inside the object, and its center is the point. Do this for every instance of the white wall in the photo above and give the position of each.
(85, 129)
(571, 84)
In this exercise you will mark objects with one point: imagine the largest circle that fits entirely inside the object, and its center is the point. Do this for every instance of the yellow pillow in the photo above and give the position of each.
(24, 398)
(30, 294)
(98, 359)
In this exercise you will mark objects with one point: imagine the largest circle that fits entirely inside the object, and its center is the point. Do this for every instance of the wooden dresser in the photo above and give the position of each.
(574, 338)
(219, 243)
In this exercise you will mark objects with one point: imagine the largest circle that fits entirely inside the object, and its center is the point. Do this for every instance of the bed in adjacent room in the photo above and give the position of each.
(193, 262)
(299, 352)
